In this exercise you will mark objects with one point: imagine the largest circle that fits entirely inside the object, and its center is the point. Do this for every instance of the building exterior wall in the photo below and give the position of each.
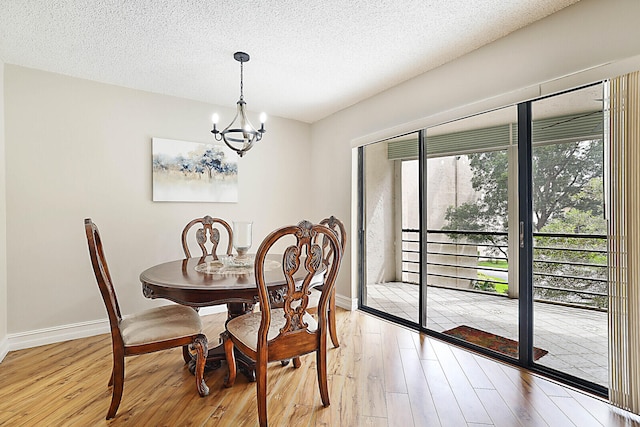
(380, 202)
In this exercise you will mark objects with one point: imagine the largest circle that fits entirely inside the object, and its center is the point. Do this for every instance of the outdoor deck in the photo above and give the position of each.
(576, 339)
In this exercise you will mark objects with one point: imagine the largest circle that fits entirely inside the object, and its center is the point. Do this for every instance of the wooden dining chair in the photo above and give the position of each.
(207, 235)
(156, 329)
(314, 299)
(276, 334)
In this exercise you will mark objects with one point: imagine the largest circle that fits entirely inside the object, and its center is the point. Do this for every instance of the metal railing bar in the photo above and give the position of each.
(504, 233)
(503, 258)
(474, 267)
(573, 291)
(542, 261)
(464, 278)
(481, 267)
(549, 248)
(466, 244)
(466, 232)
(581, 264)
(409, 247)
(590, 279)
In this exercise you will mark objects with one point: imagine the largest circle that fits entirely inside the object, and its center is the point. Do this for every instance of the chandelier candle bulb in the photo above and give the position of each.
(214, 119)
(263, 119)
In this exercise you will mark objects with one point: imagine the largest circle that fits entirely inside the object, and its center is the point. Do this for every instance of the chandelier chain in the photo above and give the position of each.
(241, 81)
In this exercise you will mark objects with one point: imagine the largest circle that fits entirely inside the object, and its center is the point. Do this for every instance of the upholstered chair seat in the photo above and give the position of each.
(245, 328)
(160, 324)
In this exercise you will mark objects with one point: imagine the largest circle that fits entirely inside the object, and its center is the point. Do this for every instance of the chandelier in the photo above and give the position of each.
(240, 135)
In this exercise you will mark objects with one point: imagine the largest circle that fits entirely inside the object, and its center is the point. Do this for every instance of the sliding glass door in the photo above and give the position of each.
(489, 232)
(391, 241)
(469, 297)
(570, 235)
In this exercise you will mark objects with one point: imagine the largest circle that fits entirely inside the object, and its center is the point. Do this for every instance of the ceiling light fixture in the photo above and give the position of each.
(240, 135)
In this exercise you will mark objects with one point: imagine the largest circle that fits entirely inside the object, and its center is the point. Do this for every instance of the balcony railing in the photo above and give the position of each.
(569, 269)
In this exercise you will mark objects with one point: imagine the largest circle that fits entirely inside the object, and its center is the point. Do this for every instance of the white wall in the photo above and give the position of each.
(588, 41)
(3, 228)
(76, 149)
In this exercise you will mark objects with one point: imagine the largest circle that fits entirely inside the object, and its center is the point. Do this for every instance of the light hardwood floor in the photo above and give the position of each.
(382, 375)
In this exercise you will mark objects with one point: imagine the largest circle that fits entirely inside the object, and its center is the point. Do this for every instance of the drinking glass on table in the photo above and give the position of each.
(242, 237)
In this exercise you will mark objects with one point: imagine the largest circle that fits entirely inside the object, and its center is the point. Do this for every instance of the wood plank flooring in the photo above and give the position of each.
(382, 375)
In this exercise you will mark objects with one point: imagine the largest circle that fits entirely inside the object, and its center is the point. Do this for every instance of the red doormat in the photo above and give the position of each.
(491, 341)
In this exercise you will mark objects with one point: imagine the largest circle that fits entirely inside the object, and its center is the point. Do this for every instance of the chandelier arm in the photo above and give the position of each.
(229, 128)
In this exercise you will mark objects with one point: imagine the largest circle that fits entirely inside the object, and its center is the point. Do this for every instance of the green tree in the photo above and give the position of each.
(489, 211)
(564, 176)
(567, 195)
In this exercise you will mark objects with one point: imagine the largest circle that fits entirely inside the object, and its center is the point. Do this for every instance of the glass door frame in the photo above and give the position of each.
(524, 256)
(362, 266)
(525, 236)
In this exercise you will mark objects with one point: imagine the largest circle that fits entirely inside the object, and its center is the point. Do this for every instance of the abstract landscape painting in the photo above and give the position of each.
(193, 172)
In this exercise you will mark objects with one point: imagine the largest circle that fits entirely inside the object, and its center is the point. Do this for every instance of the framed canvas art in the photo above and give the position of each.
(193, 172)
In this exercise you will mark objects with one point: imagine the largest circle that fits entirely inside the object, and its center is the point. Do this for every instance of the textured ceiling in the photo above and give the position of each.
(309, 59)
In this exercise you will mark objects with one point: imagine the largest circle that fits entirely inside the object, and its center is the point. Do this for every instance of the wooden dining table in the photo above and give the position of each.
(203, 282)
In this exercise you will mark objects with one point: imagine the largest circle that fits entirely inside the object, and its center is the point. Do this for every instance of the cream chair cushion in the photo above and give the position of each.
(159, 324)
(245, 327)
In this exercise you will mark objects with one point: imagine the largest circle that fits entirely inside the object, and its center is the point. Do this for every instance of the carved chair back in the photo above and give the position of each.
(337, 227)
(207, 235)
(303, 255)
(103, 277)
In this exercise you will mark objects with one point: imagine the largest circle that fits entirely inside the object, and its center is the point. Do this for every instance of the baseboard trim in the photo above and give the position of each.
(38, 337)
(204, 311)
(4, 348)
(56, 334)
(347, 303)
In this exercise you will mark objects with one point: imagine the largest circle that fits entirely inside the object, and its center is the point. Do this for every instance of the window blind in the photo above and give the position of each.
(588, 125)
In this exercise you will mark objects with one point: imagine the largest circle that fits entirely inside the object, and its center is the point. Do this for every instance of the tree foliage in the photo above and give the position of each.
(568, 199)
(565, 176)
